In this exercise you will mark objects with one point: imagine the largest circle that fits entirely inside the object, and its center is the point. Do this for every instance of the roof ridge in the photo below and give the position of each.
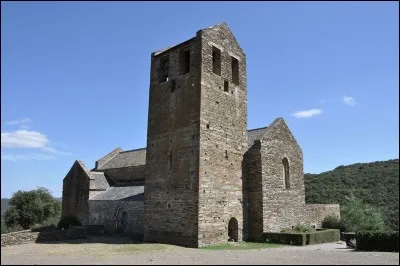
(134, 150)
(248, 130)
(105, 156)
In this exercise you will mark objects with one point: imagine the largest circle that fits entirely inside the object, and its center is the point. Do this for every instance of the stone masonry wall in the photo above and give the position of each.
(29, 236)
(223, 138)
(104, 212)
(171, 182)
(252, 193)
(76, 193)
(314, 214)
(282, 207)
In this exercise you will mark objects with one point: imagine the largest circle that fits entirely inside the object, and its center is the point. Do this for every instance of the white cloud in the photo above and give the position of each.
(23, 139)
(22, 121)
(307, 113)
(54, 151)
(349, 100)
(30, 140)
(27, 157)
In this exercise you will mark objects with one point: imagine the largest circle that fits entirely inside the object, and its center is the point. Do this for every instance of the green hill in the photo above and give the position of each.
(376, 183)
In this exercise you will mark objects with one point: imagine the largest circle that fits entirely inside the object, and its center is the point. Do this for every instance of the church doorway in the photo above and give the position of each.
(233, 230)
(122, 221)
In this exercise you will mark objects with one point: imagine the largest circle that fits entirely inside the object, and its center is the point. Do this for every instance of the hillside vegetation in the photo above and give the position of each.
(376, 184)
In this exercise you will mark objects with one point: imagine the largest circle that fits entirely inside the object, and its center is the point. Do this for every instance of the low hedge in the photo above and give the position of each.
(323, 236)
(301, 239)
(298, 239)
(377, 240)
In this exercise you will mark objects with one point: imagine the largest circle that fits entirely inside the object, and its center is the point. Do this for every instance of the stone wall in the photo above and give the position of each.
(171, 182)
(76, 192)
(17, 238)
(105, 212)
(315, 213)
(283, 206)
(29, 236)
(223, 135)
(252, 193)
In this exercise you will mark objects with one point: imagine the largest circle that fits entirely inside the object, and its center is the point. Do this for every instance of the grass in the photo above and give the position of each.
(104, 249)
(241, 246)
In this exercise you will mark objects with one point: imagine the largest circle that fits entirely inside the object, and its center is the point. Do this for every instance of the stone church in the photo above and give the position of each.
(203, 178)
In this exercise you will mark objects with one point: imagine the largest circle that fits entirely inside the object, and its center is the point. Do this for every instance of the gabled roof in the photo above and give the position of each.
(98, 181)
(255, 134)
(126, 159)
(81, 165)
(259, 133)
(128, 193)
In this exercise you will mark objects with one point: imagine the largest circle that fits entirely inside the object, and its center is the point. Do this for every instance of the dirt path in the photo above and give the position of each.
(126, 253)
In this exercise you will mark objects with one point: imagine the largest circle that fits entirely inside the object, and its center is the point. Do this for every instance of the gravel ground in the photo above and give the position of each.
(107, 252)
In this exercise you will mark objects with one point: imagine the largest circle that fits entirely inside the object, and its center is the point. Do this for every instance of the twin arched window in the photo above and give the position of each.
(286, 176)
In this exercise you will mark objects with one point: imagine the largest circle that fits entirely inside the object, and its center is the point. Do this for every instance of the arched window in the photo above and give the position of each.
(286, 176)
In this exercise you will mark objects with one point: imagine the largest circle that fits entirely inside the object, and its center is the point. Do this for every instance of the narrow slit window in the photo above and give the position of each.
(173, 85)
(226, 86)
(185, 62)
(216, 60)
(169, 161)
(164, 69)
(286, 176)
(235, 71)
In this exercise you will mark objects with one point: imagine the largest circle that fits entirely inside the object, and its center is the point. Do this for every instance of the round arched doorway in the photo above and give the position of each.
(233, 230)
(121, 221)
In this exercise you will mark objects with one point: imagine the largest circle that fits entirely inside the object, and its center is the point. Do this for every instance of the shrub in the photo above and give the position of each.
(333, 222)
(67, 221)
(358, 216)
(31, 207)
(323, 236)
(286, 230)
(377, 240)
(298, 239)
(301, 228)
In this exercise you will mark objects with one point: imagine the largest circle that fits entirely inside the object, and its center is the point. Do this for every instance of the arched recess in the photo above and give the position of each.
(121, 221)
(233, 230)
(286, 176)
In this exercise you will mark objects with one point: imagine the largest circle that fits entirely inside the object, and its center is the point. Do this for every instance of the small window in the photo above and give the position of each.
(164, 69)
(173, 85)
(184, 59)
(226, 86)
(216, 60)
(286, 177)
(169, 161)
(235, 71)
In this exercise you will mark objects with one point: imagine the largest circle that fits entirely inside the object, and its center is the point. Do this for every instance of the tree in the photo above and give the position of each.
(31, 207)
(357, 216)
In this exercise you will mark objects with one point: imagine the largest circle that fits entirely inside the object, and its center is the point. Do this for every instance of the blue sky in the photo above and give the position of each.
(75, 78)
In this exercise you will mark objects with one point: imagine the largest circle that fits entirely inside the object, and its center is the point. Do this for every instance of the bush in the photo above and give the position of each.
(358, 216)
(333, 222)
(298, 239)
(377, 240)
(301, 228)
(323, 236)
(67, 221)
(28, 208)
